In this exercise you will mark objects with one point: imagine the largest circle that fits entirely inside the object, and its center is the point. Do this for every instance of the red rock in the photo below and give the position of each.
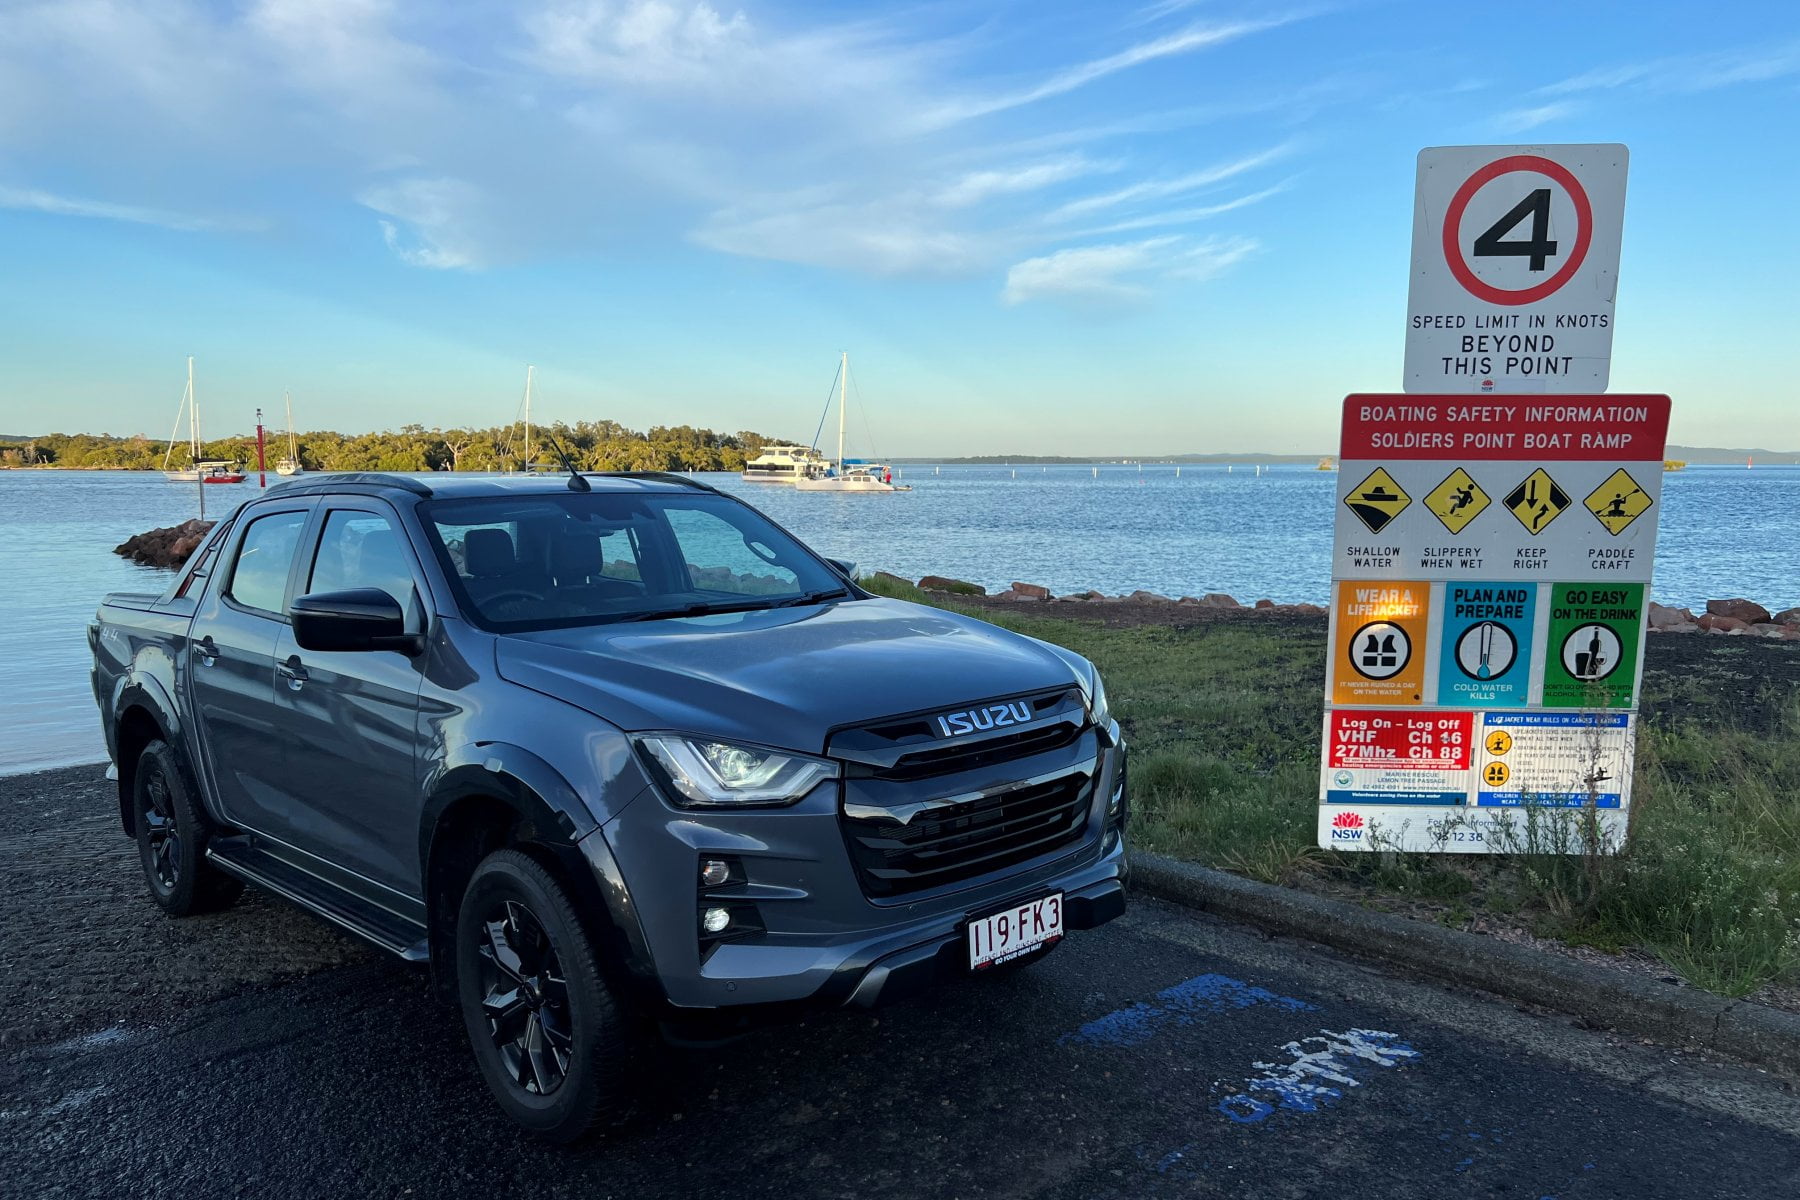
(1265, 603)
(1309, 610)
(1143, 597)
(940, 583)
(1219, 600)
(1662, 616)
(1787, 616)
(1747, 611)
(1719, 623)
(1791, 633)
(1029, 591)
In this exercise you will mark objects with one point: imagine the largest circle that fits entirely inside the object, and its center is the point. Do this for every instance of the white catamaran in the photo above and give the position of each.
(848, 475)
(290, 463)
(206, 470)
(785, 464)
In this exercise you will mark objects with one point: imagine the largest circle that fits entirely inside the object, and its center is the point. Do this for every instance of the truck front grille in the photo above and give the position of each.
(946, 842)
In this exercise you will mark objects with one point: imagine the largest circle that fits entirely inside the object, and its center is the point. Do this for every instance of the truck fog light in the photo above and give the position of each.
(714, 920)
(713, 873)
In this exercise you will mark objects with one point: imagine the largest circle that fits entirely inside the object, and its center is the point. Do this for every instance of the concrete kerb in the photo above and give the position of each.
(1752, 1033)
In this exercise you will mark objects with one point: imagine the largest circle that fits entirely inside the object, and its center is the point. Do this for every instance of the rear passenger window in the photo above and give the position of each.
(362, 550)
(259, 578)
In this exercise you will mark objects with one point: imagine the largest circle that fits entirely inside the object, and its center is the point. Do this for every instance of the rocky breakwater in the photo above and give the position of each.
(1032, 593)
(1743, 618)
(165, 547)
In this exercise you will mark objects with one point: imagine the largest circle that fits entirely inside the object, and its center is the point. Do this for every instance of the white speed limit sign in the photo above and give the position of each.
(1515, 267)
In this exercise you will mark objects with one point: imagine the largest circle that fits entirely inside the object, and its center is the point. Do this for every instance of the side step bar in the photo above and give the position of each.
(389, 930)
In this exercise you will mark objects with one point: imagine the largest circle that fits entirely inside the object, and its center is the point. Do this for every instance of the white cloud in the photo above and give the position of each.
(432, 221)
(977, 186)
(1186, 41)
(881, 238)
(1689, 73)
(1521, 119)
(1120, 271)
(1187, 216)
(1160, 189)
(476, 136)
(36, 200)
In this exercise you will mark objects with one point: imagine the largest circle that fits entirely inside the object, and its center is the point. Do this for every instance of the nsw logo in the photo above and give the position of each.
(1347, 827)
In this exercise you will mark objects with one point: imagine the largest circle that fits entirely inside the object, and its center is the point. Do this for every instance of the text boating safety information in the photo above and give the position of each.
(1492, 559)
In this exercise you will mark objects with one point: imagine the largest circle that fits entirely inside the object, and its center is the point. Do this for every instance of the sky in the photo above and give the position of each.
(1180, 226)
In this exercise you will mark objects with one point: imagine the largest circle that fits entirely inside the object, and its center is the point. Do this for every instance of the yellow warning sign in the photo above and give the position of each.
(1537, 501)
(1618, 502)
(1495, 774)
(1377, 500)
(1499, 742)
(1456, 501)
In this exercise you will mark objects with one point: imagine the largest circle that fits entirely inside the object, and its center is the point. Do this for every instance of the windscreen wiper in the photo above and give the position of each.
(701, 609)
(812, 598)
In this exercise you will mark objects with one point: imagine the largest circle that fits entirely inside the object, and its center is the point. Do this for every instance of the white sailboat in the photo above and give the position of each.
(847, 476)
(290, 463)
(205, 470)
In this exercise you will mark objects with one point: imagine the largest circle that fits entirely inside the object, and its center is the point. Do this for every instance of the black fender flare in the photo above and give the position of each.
(560, 823)
(144, 694)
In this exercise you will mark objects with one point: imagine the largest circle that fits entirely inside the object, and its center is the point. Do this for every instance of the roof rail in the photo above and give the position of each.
(330, 479)
(655, 477)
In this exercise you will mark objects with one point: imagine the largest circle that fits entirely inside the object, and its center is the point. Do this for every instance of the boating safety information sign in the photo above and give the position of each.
(1489, 598)
(1515, 268)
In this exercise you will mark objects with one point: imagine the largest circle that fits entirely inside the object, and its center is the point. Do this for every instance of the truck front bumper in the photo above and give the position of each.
(822, 940)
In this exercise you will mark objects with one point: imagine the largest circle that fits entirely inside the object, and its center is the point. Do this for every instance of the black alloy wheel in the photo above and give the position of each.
(551, 1038)
(525, 998)
(162, 831)
(172, 831)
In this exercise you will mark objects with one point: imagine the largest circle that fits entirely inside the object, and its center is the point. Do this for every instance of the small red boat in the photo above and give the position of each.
(222, 474)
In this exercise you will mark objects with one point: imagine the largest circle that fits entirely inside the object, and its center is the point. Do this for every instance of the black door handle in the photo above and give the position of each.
(206, 651)
(294, 673)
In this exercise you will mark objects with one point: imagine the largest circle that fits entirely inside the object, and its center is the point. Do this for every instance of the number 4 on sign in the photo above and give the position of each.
(1538, 248)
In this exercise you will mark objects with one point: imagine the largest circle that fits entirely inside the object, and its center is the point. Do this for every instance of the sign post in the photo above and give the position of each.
(1515, 267)
(1491, 563)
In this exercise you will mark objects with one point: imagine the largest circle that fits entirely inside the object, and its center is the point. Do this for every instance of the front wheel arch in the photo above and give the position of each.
(479, 814)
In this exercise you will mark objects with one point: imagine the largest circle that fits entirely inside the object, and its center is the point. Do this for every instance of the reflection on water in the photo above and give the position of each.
(1725, 532)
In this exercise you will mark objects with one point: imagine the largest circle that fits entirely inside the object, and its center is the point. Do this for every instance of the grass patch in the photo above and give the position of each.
(1224, 720)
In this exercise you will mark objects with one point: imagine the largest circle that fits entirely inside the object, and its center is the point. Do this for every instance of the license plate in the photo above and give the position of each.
(1016, 931)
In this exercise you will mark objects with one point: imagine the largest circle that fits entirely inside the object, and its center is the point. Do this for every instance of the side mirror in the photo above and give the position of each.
(845, 568)
(358, 619)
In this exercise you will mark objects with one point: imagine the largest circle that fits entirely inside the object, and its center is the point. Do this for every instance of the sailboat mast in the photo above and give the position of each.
(843, 388)
(287, 402)
(193, 411)
(187, 394)
(529, 371)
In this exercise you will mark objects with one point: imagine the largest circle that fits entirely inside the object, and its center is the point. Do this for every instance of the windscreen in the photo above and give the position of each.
(550, 561)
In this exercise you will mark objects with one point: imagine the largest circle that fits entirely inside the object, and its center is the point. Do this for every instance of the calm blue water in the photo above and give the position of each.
(1725, 532)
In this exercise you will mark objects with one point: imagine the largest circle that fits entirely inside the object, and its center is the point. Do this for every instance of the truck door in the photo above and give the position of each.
(230, 664)
(350, 719)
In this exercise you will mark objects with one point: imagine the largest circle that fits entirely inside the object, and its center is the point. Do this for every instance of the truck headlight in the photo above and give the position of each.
(709, 774)
(1098, 709)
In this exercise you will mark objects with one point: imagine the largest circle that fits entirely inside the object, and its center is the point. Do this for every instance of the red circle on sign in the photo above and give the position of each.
(1584, 221)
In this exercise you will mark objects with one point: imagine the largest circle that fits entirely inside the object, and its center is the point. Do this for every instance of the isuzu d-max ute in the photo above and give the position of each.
(611, 753)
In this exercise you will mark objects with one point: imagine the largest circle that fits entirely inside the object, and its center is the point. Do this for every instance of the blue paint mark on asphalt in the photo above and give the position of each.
(1182, 1004)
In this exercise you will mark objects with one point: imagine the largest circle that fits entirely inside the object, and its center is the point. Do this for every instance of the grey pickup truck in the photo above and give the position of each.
(612, 753)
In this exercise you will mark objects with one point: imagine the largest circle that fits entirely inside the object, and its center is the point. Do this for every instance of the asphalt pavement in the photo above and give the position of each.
(1166, 1054)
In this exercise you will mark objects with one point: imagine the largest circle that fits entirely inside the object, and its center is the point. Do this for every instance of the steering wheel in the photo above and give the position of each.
(513, 594)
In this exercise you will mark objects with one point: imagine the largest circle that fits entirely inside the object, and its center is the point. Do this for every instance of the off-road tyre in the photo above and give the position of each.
(172, 832)
(551, 1039)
